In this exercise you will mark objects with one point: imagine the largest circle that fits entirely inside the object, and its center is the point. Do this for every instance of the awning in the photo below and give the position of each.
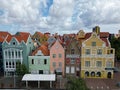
(38, 77)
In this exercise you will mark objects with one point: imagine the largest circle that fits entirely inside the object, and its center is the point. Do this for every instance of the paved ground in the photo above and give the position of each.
(104, 84)
(93, 84)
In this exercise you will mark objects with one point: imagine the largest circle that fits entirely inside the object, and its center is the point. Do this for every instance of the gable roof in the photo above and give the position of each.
(3, 35)
(103, 36)
(20, 36)
(40, 34)
(44, 50)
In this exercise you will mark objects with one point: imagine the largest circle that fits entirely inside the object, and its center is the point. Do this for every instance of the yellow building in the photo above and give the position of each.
(97, 56)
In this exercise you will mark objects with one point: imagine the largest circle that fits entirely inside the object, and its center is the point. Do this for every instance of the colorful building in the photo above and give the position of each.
(3, 35)
(39, 61)
(72, 61)
(40, 37)
(97, 56)
(57, 58)
(16, 48)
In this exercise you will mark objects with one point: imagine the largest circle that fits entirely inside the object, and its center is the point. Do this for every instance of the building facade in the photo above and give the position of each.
(3, 35)
(16, 48)
(72, 61)
(57, 58)
(39, 61)
(97, 57)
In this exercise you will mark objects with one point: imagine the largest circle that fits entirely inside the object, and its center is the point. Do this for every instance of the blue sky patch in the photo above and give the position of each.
(45, 10)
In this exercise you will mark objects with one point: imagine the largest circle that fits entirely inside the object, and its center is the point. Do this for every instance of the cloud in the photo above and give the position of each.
(60, 16)
(98, 12)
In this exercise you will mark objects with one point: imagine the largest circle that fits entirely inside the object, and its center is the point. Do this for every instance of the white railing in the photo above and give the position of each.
(72, 56)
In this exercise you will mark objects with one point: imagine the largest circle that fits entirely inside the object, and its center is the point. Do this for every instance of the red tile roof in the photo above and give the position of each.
(40, 34)
(106, 41)
(103, 36)
(20, 36)
(3, 35)
(44, 50)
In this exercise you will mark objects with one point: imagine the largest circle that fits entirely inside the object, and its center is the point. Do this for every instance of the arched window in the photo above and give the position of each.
(93, 74)
(87, 74)
(98, 74)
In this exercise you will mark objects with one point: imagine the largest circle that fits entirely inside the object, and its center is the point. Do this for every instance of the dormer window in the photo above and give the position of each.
(13, 43)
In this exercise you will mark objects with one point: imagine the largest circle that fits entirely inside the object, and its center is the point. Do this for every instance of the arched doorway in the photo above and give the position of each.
(86, 74)
(92, 74)
(98, 74)
(109, 75)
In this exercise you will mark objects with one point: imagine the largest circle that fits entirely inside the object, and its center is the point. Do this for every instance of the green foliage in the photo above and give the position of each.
(115, 43)
(21, 69)
(76, 84)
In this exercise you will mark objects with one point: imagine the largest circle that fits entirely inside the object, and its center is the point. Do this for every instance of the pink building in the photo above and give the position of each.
(57, 58)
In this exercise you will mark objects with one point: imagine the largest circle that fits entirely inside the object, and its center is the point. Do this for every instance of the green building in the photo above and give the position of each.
(39, 61)
(16, 48)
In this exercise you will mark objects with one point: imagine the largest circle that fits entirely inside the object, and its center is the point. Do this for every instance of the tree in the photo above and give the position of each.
(76, 84)
(21, 69)
(115, 43)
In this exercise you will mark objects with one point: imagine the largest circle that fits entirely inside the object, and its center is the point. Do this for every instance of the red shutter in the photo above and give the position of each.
(67, 60)
(78, 60)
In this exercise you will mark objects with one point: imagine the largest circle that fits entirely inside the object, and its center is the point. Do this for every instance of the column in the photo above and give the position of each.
(38, 84)
(50, 84)
(26, 83)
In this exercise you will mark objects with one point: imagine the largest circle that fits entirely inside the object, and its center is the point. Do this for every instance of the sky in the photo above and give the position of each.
(59, 16)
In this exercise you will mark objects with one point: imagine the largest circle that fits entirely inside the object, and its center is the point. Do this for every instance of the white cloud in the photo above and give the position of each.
(64, 15)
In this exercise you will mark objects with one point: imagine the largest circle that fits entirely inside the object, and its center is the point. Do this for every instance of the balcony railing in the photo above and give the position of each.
(72, 56)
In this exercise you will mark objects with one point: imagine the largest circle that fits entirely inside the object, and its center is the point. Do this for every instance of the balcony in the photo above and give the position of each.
(72, 56)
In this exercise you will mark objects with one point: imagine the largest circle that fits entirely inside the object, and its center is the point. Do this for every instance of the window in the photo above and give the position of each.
(99, 51)
(87, 51)
(60, 64)
(72, 51)
(9, 54)
(12, 54)
(9, 64)
(45, 61)
(13, 43)
(87, 74)
(13, 64)
(109, 64)
(87, 63)
(54, 55)
(32, 61)
(60, 55)
(54, 64)
(67, 69)
(16, 53)
(72, 69)
(98, 74)
(72, 61)
(99, 63)
(38, 61)
(19, 54)
(93, 43)
(6, 64)
(111, 51)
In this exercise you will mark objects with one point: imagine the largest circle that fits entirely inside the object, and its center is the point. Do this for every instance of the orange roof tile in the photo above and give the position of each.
(40, 34)
(44, 50)
(20, 36)
(3, 35)
(106, 41)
